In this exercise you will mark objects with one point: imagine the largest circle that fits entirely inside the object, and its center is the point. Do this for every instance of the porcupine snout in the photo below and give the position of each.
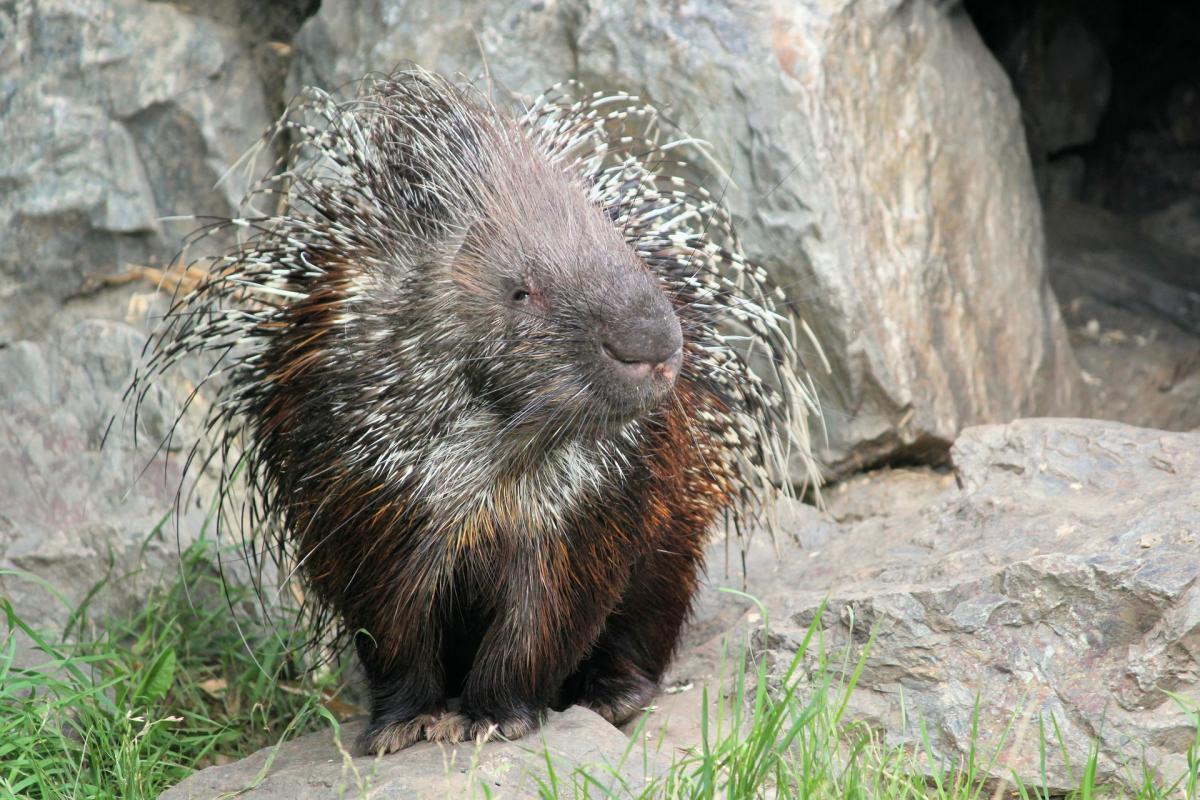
(640, 343)
(646, 350)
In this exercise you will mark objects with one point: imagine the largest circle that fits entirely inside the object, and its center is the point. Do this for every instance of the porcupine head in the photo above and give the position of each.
(487, 387)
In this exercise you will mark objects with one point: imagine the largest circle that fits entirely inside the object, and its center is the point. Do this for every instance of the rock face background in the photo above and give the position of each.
(115, 114)
(898, 166)
(866, 143)
(1059, 578)
(68, 512)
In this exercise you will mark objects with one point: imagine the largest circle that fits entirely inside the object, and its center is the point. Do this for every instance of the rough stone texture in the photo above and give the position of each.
(317, 767)
(1061, 579)
(1062, 77)
(114, 113)
(722, 623)
(72, 513)
(879, 169)
(1177, 226)
(1133, 310)
(1053, 572)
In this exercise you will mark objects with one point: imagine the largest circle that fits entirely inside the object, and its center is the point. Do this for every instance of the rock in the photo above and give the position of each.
(1060, 580)
(1057, 55)
(1062, 180)
(1061, 75)
(1154, 171)
(1133, 308)
(1177, 226)
(866, 142)
(886, 492)
(115, 113)
(320, 766)
(1183, 113)
(1099, 253)
(71, 512)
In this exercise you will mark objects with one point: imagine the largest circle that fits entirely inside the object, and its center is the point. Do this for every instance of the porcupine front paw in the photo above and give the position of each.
(387, 736)
(460, 726)
(617, 696)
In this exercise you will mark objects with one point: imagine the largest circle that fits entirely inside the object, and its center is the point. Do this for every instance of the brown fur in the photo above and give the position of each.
(591, 616)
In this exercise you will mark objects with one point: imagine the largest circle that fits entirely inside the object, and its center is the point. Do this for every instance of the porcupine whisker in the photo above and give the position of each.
(165, 443)
(523, 415)
(571, 408)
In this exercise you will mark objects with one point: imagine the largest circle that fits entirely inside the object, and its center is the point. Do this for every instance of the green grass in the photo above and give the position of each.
(794, 741)
(131, 707)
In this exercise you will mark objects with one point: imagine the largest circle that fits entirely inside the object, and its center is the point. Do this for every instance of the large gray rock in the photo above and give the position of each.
(320, 766)
(1060, 580)
(879, 169)
(114, 113)
(1061, 75)
(1177, 226)
(71, 512)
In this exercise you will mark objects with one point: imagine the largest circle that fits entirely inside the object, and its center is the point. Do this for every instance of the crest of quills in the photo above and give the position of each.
(489, 378)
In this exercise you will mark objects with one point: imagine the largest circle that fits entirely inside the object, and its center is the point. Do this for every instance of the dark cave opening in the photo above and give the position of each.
(1110, 93)
(1110, 100)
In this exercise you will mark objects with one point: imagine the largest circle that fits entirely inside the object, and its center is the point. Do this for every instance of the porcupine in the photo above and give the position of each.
(491, 376)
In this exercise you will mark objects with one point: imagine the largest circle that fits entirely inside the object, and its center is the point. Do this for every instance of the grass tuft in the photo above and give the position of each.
(129, 707)
(789, 738)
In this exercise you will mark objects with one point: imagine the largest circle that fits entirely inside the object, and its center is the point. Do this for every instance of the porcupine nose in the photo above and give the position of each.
(645, 351)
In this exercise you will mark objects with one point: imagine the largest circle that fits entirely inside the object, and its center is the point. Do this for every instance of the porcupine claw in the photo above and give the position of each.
(620, 698)
(455, 727)
(384, 738)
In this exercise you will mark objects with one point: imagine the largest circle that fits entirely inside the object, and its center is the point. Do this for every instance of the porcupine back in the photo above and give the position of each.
(343, 391)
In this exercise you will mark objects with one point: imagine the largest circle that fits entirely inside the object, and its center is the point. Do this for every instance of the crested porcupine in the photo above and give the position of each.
(490, 377)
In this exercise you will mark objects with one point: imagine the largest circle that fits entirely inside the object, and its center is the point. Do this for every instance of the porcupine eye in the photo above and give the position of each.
(520, 295)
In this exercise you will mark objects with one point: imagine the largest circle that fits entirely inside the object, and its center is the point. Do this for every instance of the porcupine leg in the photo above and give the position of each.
(399, 643)
(548, 620)
(620, 677)
(406, 699)
(399, 632)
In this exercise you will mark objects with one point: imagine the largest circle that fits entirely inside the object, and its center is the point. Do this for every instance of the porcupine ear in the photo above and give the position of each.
(748, 353)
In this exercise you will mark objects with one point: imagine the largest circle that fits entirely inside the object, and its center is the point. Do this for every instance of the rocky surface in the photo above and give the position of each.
(1056, 54)
(116, 113)
(1133, 308)
(1176, 227)
(73, 513)
(867, 144)
(1060, 579)
(321, 766)
(1109, 93)
(1052, 574)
